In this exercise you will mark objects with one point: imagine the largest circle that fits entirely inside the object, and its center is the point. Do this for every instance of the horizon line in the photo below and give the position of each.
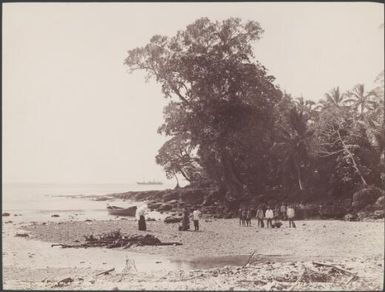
(84, 183)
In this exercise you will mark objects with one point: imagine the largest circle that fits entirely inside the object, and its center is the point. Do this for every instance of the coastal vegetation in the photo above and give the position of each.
(231, 127)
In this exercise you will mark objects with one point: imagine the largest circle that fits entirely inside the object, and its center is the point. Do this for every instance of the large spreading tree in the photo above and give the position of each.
(221, 98)
(230, 126)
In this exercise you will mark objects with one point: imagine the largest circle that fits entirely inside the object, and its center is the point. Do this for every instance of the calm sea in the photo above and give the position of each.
(40, 201)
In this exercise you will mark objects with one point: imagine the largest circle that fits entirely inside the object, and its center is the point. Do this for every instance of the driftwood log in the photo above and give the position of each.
(334, 267)
(106, 272)
(353, 275)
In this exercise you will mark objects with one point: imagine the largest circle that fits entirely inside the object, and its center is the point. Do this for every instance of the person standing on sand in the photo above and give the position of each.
(269, 216)
(196, 215)
(186, 219)
(277, 216)
(142, 221)
(248, 217)
(260, 217)
(283, 211)
(244, 213)
(264, 207)
(291, 215)
(276, 213)
(240, 216)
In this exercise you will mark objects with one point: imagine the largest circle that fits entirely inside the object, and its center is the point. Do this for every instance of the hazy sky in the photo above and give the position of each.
(72, 113)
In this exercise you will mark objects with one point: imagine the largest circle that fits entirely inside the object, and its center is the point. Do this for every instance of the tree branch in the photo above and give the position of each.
(350, 155)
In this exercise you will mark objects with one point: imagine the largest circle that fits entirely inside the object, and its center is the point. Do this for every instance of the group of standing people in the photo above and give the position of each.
(195, 216)
(272, 216)
(244, 217)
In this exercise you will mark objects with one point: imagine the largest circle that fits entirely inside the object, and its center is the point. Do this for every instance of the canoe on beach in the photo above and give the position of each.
(118, 211)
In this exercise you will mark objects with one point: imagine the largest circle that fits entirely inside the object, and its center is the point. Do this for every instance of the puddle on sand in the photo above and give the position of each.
(153, 263)
(221, 261)
(211, 262)
(145, 262)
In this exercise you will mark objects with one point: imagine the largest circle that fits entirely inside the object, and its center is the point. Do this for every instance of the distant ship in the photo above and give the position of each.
(149, 182)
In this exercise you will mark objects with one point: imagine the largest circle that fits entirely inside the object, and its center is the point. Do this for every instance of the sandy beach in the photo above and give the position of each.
(213, 258)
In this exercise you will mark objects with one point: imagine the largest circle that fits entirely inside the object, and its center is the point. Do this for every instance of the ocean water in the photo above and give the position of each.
(39, 202)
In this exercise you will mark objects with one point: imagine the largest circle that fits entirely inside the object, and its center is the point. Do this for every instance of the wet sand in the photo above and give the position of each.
(206, 260)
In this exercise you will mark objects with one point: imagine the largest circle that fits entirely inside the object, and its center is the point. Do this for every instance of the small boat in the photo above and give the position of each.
(118, 211)
(149, 183)
(152, 182)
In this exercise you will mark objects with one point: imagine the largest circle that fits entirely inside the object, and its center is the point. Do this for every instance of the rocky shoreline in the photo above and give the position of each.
(172, 201)
(365, 205)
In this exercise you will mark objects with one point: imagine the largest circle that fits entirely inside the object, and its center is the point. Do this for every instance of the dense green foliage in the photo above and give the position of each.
(230, 126)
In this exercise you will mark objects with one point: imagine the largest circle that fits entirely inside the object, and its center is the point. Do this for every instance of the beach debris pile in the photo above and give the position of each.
(317, 275)
(115, 239)
(273, 276)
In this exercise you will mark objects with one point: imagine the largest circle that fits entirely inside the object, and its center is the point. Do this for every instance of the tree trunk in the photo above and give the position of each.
(234, 185)
(350, 155)
(300, 184)
(177, 181)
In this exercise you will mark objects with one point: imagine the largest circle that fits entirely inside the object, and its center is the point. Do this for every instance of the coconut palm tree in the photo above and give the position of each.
(293, 145)
(334, 98)
(306, 106)
(361, 100)
(375, 126)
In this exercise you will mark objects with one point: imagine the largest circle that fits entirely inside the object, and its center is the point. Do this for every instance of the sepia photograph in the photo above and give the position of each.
(218, 146)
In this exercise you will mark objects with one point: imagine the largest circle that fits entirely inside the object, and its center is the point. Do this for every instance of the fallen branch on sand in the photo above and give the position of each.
(106, 272)
(352, 278)
(63, 281)
(254, 281)
(334, 267)
(116, 239)
(298, 280)
(250, 257)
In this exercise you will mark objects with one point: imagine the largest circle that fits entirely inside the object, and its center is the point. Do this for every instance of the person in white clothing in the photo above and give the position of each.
(269, 217)
(196, 216)
(291, 215)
